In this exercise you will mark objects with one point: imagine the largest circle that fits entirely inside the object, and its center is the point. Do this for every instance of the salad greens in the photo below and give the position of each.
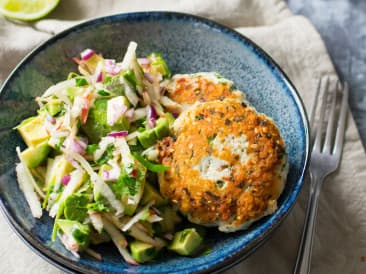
(90, 150)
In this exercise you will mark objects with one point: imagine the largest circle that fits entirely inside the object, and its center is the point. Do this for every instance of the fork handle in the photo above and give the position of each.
(303, 260)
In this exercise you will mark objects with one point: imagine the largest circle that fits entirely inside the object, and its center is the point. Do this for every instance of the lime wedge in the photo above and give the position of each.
(27, 10)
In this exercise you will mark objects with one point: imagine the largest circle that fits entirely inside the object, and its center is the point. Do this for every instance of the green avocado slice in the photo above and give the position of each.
(34, 156)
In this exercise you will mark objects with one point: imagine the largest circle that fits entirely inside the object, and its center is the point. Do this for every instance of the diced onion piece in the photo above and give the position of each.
(119, 240)
(129, 56)
(139, 114)
(112, 174)
(137, 217)
(129, 113)
(96, 180)
(151, 153)
(132, 135)
(28, 190)
(86, 54)
(115, 109)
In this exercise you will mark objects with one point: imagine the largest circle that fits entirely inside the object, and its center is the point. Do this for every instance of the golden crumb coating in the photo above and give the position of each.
(228, 164)
(187, 89)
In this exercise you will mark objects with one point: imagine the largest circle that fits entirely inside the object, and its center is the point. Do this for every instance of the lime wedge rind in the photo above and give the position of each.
(27, 11)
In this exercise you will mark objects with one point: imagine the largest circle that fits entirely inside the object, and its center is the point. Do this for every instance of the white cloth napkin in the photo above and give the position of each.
(340, 240)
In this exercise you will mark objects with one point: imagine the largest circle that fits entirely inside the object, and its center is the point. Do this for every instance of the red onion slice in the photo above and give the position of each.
(129, 113)
(149, 77)
(78, 147)
(143, 61)
(122, 133)
(111, 67)
(65, 179)
(105, 175)
(86, 54)
(51, 119)
(98, 74)
(151, 116)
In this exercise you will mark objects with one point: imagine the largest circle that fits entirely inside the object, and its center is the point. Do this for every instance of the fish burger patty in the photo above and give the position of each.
(228, 164)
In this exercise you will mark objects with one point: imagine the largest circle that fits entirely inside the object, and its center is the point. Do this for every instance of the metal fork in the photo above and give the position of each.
(325, 158)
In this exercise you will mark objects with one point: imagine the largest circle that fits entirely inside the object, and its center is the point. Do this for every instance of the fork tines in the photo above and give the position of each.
(331, 104)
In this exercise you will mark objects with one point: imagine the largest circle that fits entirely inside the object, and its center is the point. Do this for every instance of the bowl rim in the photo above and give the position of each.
(68, 265)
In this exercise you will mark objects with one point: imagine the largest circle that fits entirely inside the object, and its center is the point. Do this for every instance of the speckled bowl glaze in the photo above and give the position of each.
(189, 44)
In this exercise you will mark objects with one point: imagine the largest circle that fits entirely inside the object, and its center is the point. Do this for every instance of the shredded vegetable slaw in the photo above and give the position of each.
(91, 158)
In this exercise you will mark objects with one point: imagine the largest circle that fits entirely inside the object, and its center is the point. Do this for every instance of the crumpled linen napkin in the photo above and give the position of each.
(340, 240)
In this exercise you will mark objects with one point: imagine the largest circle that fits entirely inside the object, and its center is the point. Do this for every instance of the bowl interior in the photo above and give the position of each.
(189, 44)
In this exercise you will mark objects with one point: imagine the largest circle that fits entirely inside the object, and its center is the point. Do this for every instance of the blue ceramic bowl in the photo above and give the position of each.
(189, 44)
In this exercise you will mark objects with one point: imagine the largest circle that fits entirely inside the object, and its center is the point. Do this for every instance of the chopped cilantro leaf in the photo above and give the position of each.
(103, 92)
(98, 206)
(90, 149)
(80, 81)
(107, 155)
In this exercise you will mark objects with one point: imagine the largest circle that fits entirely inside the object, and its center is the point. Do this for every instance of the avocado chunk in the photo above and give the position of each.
(54, 107)
(162, 128)
(185, 242)
(33, 131)
(159, 64)
(151, 194)
(149, 137)
(142, 252)
(169, 222)
(59, 167)
(34, 156)
(79, 232)
(170, 119)
(97, 125)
